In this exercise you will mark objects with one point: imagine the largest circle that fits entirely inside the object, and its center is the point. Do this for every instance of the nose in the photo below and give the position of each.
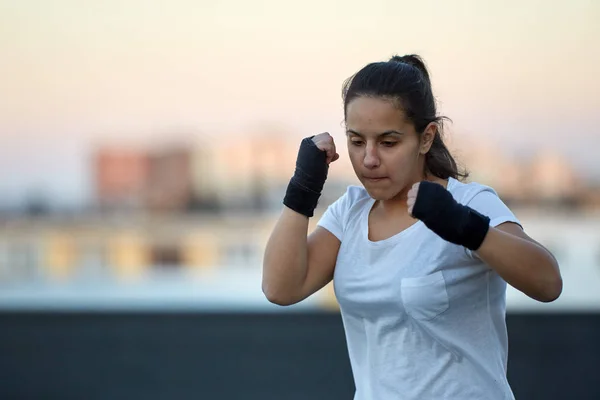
(371, 159)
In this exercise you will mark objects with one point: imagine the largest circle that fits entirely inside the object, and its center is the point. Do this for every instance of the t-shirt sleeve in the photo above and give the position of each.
(334, 217)
(488, 203)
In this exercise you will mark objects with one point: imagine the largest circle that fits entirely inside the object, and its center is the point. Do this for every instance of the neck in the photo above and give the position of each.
(397, 205)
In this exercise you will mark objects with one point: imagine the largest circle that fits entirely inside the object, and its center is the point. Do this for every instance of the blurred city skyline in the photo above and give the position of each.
(519, 76)
(250, 174)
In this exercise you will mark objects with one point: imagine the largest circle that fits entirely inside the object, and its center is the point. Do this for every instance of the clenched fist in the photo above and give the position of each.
(325, 142)
(312, 165)
(456, 223)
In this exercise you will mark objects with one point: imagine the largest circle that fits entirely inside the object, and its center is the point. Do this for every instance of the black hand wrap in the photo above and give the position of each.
(305, 187)
(452, 221)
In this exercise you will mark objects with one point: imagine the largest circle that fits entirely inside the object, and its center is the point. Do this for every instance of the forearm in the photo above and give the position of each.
(523, 264)
(285, 258)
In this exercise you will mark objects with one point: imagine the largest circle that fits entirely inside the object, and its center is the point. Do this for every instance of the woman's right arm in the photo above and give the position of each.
(296, 265)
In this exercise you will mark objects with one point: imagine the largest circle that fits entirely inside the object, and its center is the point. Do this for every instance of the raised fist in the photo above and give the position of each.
(456, 223)
(325, 142)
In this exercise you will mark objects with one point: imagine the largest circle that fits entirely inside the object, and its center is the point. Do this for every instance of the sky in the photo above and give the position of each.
(522, 74)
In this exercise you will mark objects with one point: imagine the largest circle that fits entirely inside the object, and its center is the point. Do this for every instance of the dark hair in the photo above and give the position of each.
(405, 80)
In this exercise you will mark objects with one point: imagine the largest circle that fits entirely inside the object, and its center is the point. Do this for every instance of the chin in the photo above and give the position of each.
(380, 194)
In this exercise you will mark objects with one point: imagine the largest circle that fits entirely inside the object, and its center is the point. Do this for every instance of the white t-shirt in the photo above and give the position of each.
(424, 318)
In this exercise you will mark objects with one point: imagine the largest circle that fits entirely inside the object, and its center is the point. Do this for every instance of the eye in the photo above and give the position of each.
(356, 142)
(388, 144)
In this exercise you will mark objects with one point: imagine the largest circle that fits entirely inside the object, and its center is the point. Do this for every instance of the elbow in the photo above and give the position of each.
(549, 283)
(279, 300)
(552, 286)
(552, 290)
(277, 297)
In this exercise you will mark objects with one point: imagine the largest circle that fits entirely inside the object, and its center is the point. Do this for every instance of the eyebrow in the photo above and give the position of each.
(386, 133)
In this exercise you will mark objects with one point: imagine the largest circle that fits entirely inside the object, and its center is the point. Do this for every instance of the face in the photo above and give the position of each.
(384, 148)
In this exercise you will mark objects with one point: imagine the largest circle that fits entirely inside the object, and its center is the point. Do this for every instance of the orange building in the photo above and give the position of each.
(127, 178)
(121, 176)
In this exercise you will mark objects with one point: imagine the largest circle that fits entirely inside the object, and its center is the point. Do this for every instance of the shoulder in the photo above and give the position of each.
(337, 214)
(353, 197)
(356, 194)
(464, 193)
(485, 200)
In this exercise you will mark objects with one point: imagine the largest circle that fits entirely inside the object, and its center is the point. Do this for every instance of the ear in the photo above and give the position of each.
(427, 137)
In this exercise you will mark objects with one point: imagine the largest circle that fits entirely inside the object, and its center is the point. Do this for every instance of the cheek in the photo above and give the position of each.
(355, 156)
(399, 163)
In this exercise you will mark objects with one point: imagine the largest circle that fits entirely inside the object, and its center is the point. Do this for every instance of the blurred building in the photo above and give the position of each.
(591, 197)
(247, 174)
(140, 178)
(551, 177)
(121, 176)
(101, 251)
(250, 173)
(169, 181)
(205, 186)
(129, 247)
(542, 177)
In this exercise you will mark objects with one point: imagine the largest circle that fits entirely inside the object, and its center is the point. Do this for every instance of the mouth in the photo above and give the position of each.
(374, 179)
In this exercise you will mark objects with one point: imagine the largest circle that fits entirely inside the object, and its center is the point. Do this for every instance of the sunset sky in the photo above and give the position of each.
(76, 73)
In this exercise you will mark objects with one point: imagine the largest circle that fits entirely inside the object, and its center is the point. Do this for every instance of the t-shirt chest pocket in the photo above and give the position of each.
(425, 297)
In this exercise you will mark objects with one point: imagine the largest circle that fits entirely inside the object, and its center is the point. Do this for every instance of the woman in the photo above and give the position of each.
(419, 259)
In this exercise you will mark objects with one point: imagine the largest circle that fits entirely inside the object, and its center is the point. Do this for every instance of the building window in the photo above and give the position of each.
(242, 254)
(167, 257)
(94, 261)
(21, 259)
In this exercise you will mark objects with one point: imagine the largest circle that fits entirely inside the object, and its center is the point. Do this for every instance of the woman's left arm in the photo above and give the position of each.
(518, 259)
(521, 262)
